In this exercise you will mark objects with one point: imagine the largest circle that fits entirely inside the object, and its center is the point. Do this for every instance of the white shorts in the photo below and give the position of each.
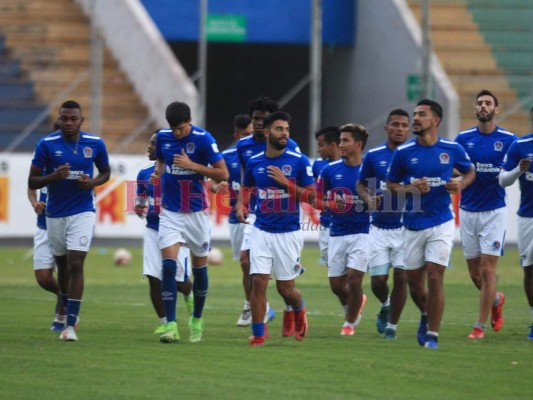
(43, 258)
(385, 248)
(192, 228)
(483, 232)
(248, 229)
(74, 232)
(323, 239)
(152, 260)
(236, 235)
(525, 240)
(348, 251)
(429, 245)
(276, 252)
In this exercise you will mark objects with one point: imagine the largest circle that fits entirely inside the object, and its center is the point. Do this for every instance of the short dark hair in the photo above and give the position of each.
(485, 92)
(358, 131)
(436, 108)
(399, 112)
(332, 134)
(278, 115)
(263, 103)
(177, 113)
(241, 121)
(71, 104)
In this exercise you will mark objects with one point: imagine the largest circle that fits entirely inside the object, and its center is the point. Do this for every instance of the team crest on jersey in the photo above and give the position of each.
(444, 158)
(496, 245)
(189, 148)
(286, 169)
(87, 152)
(498, 146)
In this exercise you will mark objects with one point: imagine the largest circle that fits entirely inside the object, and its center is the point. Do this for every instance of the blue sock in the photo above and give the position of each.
(169, 292)
(299, 308)
(73, 311)
(64, 300)
(258, 329)
(199, 288)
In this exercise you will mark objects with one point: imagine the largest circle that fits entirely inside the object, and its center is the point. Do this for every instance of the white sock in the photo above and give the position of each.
(246, 305)
(350, 324)
(391, 326)
(387, 303)
(345, 308)
(496, 300)
(163, 320)
(431, 333)
(288, 308)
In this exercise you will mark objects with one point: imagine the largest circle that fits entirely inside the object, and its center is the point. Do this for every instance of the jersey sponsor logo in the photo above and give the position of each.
(498, 146)
(287, 170)
(58, 153)
(265, 194)
(435, 181)
(190, 148)
(486, 167)
(444, 158)
(87, 152)
(175, 170)
(74, 175)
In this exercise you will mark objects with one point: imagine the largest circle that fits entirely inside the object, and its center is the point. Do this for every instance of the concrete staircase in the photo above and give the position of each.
(51, 41)
(470, 62)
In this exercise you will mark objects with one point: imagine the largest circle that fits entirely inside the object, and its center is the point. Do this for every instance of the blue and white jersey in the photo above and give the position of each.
(318, 166)
(338, 180)
(486, 151)
(412, 161)
(41, 218)
(374, 176)
(64, 196)
(145, 189)
(277, 209)
(184, 190)
(522, 148)
(248, 146)
(234, 181)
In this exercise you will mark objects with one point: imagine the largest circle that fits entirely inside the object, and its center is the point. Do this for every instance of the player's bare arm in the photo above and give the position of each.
(217, 172)
(37, 205)
(37, 180)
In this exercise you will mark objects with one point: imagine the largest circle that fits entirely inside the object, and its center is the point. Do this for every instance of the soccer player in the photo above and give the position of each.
(348, 238)
(43, 258)
(483, 212)
(185, 156)
(517, 165)
(147, 205)
(327, 139)
(386, 232)
(280, 178)
(68, 158)
(242, 127)
(258, 109)
(422, 170)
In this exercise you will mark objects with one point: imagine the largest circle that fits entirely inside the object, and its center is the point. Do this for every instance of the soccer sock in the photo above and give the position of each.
(258, 329)
(345, 308)
(300, 307)
(73, 311)
(387, 303)
(169, 292)
(64, 300)
(163, 320)
(199, 288)
(432, 333)
(479, 325)
(288, 308)
(391, 326)
(496, 302)
(60, 318)
(350, 324)
(246, 305)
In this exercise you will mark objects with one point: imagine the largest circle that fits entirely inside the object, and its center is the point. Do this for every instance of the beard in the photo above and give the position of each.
(418, 132)
(485, 118)
(277, 145)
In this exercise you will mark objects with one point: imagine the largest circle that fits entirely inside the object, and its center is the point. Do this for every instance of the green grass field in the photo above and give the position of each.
(118, 357)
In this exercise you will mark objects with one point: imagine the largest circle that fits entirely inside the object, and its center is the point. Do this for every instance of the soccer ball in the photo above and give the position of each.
(215, 256)
(122, 257)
